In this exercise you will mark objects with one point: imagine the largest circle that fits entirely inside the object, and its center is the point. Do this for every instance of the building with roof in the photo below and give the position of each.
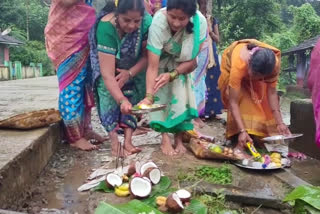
(299, 59)
(5, 41)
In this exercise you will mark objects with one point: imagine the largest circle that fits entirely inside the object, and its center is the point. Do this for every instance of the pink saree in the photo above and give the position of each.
(67, 33)
(67, 46)
(314, 86)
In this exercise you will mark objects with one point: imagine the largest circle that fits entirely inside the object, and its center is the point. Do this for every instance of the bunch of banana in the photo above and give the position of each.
(276, 158)
(123, 190)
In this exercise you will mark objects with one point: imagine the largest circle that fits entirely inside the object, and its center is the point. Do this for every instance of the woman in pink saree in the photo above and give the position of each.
(314, 85)
(67, 46)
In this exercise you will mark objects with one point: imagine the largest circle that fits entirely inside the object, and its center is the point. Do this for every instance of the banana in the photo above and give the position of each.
(161, 201)
(124, 187)
(121, 193)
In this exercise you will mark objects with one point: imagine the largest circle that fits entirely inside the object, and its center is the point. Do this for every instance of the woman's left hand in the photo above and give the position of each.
(161, 81)
(283, 129)
(122, 77)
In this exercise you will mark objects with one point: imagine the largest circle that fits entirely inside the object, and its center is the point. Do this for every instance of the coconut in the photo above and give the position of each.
(184, 195)
(174, 203)
(146, 166)
(113, 180)
(140, 187)
(134, 168)
(154, 174)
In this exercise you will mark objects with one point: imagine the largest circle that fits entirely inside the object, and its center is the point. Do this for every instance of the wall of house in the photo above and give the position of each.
(2, 47)
(4, 73)
(6, 54)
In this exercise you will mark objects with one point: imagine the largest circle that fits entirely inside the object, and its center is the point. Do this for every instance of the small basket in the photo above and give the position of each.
(32, 120)
(200, 150)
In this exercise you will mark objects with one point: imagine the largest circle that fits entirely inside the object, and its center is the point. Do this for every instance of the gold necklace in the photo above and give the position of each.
(254, 95)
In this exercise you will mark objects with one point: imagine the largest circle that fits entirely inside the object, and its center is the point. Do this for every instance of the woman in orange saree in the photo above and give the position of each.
(249, 74)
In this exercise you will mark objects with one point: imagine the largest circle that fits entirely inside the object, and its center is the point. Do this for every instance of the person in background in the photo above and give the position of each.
(118, 58)
(214, 104)
(13, 71)
(314, 86)
(67, 46)
(174, 42)
(249, 75)
(205, 61)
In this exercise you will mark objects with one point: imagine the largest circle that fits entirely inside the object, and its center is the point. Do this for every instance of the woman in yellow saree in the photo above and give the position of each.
(249, 74)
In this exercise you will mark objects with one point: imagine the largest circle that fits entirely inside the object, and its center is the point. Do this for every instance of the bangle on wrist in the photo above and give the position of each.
(173, 75)
(242, 131)
(150, 97)
(130, 74)
(122, 101)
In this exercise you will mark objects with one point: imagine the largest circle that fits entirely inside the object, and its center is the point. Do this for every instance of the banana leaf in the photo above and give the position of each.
(133, 207)
(102, 187)
(308, 194)
(196, 207)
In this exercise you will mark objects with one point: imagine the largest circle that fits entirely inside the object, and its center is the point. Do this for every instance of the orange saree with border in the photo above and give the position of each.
(257, 117)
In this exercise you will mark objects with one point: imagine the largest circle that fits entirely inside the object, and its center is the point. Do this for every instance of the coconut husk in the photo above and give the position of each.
(200, 150)
(32, 120)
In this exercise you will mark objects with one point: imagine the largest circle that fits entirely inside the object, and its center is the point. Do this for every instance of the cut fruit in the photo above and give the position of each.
(174, 203)
(113, 180)
(140, 187)
(147, 165)
(154, 174)
(134, 168)
(184, 195)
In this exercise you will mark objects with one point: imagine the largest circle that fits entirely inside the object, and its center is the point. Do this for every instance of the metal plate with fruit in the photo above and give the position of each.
(265, 162)
(145, 109)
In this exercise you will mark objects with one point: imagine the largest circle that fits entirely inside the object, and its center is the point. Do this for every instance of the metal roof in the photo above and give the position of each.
(8, 40)
(308, 44)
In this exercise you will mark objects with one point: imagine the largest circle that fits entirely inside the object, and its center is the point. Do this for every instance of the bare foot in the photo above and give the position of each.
(166, 146)
(180, 149)
(199, 123)
(92, 135)
(115, 146)
(131, 148)
(84, 145)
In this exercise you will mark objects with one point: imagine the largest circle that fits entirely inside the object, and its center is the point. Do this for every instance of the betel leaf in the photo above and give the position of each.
(308, 194)
(196, 207)
(102, 187)
(105, 208)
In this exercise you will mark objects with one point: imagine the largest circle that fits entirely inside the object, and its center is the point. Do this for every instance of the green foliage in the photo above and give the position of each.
(306, 22)
(248, 19)
(216, 175)
(306, 199)
(32, 51)
(14, 13)
(216, 204)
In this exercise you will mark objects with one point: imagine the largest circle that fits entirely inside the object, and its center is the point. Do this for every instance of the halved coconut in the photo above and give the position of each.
(132, 169)
(140, 187)
(113, 180)
(174, 203)
(146, 166)
(184, 195)
(154, 174)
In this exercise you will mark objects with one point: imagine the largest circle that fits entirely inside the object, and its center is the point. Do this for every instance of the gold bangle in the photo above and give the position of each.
(130, 74)
(150, 97)
(122, 101)
(173, 75)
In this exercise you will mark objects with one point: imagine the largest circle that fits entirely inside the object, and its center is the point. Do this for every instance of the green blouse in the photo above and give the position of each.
(108, 39)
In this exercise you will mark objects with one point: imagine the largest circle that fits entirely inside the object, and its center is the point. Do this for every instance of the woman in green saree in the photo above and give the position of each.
(174, 41)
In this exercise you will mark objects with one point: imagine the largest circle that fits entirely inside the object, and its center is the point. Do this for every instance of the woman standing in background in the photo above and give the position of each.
(67, 46)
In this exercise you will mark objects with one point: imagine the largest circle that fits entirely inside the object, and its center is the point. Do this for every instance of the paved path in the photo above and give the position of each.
(19, 96)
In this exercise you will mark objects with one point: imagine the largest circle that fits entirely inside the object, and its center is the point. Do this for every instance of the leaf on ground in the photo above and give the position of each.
(308, 194)
(102, 187)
